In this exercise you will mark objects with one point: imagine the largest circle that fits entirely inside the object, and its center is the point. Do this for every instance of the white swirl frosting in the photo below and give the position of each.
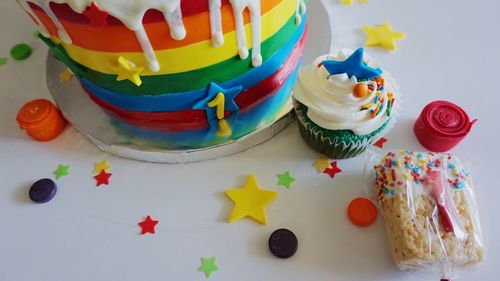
(330, 100)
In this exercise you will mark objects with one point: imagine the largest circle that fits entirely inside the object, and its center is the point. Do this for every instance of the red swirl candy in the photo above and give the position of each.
(442, 125)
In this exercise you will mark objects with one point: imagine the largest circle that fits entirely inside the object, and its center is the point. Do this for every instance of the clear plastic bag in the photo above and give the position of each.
(429, 207)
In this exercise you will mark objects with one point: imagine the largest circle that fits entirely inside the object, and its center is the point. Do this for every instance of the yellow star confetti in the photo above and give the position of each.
(250, 201)
(66, 76)
(346, 2)
(101, 166)
(362, 2)
(129, 71)
(322, 164)
(383, 36)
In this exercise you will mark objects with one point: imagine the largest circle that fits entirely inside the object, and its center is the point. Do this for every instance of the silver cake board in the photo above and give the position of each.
(95, 124)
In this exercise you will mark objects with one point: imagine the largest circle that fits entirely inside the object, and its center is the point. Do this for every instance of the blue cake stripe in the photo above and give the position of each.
(186, 100)
(241, 124)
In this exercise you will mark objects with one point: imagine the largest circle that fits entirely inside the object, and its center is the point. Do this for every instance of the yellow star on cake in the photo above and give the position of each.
(129, 71)
(383, 36)
(250, 200)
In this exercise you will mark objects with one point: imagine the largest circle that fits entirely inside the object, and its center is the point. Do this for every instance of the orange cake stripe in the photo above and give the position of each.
(105, 38)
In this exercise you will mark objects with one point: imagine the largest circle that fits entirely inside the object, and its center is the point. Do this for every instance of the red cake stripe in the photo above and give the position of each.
(191, 119)
(188, 7)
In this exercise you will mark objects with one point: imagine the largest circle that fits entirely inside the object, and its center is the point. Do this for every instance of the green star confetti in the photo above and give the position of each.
(61, 171)
(208, 266)
(3, 61)
(285, 179)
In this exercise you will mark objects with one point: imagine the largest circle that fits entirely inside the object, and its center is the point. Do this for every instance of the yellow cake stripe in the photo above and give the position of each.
(187, 58)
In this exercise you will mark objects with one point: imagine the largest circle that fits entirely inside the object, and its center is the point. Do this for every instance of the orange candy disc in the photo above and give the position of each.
(41, 120)
(360, 90)
(362, 212)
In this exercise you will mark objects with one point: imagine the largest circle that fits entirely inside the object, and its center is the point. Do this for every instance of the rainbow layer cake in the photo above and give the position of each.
(195, 73)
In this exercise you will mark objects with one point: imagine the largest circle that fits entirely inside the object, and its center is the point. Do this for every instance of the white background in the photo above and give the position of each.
(87, 233)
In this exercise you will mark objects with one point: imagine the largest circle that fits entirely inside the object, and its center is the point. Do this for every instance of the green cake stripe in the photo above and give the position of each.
(336, 144)
(179, 82)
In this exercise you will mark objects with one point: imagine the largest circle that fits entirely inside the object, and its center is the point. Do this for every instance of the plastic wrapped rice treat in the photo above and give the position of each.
(429, 206)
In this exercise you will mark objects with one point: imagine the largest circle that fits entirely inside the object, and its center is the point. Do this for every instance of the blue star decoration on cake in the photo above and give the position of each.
(353, 66)
(212, 93)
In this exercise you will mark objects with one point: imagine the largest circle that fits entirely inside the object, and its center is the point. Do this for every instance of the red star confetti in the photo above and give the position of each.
(102, 178)
(96, 16)
(148, 225)
(380, 143)
(332, 170)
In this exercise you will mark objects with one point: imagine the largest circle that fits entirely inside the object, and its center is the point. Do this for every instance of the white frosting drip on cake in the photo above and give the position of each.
(45, 6)
(131, 14)
(299, 11)
(255, 21)
(41, 28)
(216, 23)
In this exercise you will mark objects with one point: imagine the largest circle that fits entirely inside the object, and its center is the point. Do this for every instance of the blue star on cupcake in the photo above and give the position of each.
(353, 66)
(212, 92)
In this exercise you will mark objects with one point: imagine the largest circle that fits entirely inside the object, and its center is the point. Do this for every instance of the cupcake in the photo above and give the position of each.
(344, 102)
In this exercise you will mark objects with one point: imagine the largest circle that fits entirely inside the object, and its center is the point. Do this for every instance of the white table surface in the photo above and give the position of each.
(87, 233)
